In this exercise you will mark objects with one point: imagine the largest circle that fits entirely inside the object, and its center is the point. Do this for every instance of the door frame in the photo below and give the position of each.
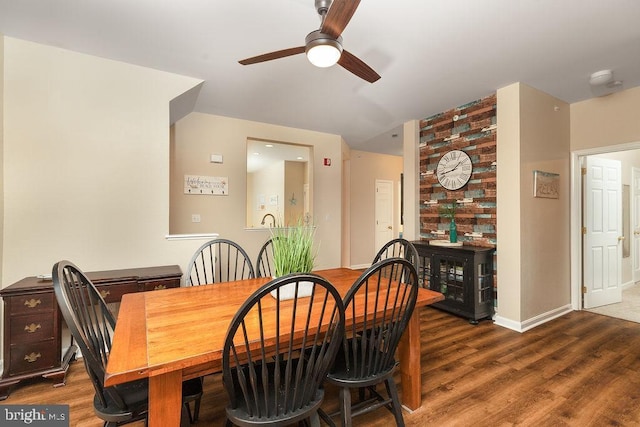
(576, 215)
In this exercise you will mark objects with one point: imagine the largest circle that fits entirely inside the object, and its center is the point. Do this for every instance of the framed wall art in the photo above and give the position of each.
(546, 184)
(206, 185)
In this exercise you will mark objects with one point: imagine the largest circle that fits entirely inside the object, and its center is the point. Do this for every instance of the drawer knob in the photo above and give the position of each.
(32, 327)
(104, 293)
(32, 303)
(159, 287)
(32, 357)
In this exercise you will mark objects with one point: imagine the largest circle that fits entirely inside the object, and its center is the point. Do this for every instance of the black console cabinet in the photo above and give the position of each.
(464, 274)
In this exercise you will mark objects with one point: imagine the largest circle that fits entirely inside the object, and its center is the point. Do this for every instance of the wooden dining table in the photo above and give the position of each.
(172, 335)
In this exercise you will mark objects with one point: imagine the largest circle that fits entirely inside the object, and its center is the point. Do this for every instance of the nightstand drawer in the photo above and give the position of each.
(31, 328)
(155, 285)
(31, 303)
(113, 293)
(30, 357)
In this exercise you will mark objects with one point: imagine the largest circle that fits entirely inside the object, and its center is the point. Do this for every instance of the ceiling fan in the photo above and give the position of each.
(324, 46)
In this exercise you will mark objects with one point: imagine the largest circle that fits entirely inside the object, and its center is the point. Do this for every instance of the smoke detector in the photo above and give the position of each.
(601, 77)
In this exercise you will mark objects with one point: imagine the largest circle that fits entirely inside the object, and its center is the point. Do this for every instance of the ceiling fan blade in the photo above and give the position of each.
(338, 16)
(351, 63)
(273, 55)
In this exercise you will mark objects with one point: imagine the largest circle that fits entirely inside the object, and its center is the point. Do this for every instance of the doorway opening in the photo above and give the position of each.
(629, 235)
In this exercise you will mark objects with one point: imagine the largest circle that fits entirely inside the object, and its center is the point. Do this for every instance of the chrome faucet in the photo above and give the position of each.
(272, 217)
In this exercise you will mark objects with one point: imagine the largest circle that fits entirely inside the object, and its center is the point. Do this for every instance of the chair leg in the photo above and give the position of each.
(196, 406)
(326, 418)
(196, 410)
(361, 395)
(395, 401)
(345, 406)
(314, 420)
(188, 409)
(185, 416)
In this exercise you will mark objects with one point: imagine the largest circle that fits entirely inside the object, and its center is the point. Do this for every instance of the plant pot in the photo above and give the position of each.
(289, 291)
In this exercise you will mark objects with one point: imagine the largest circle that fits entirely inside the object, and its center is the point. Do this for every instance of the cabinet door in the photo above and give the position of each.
(484, 276)
(449, 276)
(424, 270)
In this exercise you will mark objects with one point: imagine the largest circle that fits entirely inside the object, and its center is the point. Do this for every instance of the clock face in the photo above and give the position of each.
(454, 169)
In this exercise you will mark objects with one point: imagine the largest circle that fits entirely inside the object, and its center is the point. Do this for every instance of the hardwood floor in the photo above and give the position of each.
(582, 369)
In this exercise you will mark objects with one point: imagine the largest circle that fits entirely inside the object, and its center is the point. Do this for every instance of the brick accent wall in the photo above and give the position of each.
(475, 215)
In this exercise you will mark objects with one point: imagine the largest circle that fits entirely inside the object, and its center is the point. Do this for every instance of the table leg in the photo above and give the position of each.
(165, 399)
(410, 371)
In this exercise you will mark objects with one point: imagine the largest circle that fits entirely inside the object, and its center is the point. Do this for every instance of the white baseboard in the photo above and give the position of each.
(534, 321)
(360, 266)
(628, 284)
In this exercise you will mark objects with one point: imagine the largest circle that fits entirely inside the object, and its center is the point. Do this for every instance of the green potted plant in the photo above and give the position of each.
(449, 211)
(293, 252)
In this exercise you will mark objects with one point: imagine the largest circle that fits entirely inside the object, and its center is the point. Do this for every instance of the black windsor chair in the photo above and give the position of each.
(266, 383)
(92, 325)
(264, 263)
(367, 355)
(219, 260)
(398, 248)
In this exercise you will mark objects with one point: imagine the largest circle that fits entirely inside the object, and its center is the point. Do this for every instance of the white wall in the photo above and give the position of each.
(198, 135)
(546, 246)
(411, 168)
(1, 148)
(533, 250)
(509, 218)
(86, 162)
(606, 121)
(365, 168)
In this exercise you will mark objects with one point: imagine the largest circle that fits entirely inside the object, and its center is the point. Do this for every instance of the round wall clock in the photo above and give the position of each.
(454, 169)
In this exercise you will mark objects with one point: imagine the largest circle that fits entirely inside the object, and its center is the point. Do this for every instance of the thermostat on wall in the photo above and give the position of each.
(216, 158)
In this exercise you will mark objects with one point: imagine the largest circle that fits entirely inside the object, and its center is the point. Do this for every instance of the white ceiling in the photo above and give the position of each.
(433, 55)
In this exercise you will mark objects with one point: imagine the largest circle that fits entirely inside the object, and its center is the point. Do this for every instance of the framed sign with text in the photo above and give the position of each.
(206, 185)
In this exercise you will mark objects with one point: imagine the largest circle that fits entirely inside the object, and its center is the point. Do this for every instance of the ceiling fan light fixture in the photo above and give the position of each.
(323, 55)
(322, 50)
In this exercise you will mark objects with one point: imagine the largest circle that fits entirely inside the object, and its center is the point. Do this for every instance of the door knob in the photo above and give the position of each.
(636, 232)
(389, 227)
(620, 238)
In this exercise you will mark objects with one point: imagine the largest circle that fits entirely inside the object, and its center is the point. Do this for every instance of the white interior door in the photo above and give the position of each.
(635, 222)
(383, 213)
(602, 250)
